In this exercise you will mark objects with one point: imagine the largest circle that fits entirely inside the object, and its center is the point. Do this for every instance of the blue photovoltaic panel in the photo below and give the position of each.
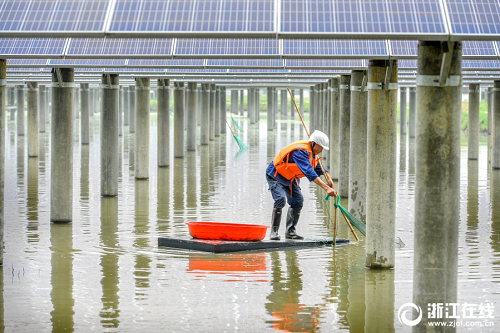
(245, 62)
(347, 16)
(32, 46)
(166, 62)
(407, 48)
(227, 47)
(187, 16)
(260, 70)
(474, 16)
(480, 64)
(320, 47)
(348, 63)
(120, 46)
(474, 48)
(407, 63)
(26, 62)
(87, 62)
(53, 15)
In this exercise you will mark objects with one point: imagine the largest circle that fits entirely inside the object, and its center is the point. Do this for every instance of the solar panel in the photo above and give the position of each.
(322, 47)
(27, 62)
(184, 63)
(473, 16)
(32, 46)
(407, 63)
(53, 15)
(376, 17)
(245, 63)
(190, 16)
(87, 62)
(403, 48)
(321, 63)
(216, 46)
(478, 64)
(120, 46)
(479, 49)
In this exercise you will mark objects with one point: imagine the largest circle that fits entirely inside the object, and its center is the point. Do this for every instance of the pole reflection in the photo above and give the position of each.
(191, 198)
(471, 235)
(288, 314)
(204, 181)
(20, 161)
(179, 193)
(163, 202)
(356, 289)
(379, 300)
(411, 164)
(61, 240)
(142, 269)
(495, 221)
(32, 200)
(110, 312)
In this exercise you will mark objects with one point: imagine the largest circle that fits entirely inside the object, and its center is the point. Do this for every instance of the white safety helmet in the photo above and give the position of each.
(321, 139)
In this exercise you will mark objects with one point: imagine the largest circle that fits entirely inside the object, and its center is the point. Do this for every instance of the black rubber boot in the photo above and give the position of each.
(275, 223)
(292, 217)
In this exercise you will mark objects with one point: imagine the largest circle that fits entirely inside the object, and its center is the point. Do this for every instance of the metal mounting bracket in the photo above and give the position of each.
(444, 73)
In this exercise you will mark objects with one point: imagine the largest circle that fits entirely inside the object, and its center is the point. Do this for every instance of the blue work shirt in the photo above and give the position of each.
(301, 158)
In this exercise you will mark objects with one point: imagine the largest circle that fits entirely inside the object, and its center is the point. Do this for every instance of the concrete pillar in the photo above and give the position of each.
(490, 106)
(234, 101)
(495, 126)
(205, 112)
(179, 117)
(13, 98)
(326, 126)
(283, 104)
(61, 146)
(132, 111)
(120, 109)
(319, 107)
(251, 105)
(242, 102)
(164, 122)
(223, 110)
(3, 90)
(334, 129)
(270, 109)
(212, 112)
(357, 147)
(217, 111)
(85, 127)
(437, 178)
(32, 118)
(292, 107)
(412, 111)
(142, 96)
(91, 101)
(20, 110)
(42, 105)
(344, 135)
(473, 124)
(198, 106)
(381, 161)
(324, 107)
(311, 108)
(257, 104)
(191, 116)
(110, 91)
(301, 105)
(402, 110)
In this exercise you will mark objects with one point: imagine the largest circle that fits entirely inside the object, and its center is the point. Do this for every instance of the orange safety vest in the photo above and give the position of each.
(290, 170)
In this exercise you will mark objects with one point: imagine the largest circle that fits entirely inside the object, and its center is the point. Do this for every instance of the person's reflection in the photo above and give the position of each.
(379, 300)
(495, 216)
(288, 315)
(163, 208)
(32, 200)
(411, 164)
(110, 311)
(61, 240)
(141, 234)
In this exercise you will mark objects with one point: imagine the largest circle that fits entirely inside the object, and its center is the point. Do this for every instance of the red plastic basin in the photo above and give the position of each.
(227, 231)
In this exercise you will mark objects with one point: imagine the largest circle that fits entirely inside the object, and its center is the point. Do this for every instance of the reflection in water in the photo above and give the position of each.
(110, 311)
(20, 161)
(341, 272)
(411, 164)
(204, 171)
(402, 155)
(32, 200)
(191, 199)
(288, 314)
(61, 240)
(472, 205)
(163, 208)
(356, 290)
(2, 301)
(84, 175)
(178, 184)
(141, 241)
(379, 293)
(495, 222)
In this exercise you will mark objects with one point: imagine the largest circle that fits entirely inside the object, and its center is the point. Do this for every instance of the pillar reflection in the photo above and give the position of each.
(495, 219)
(379, 301)
(411, 164)
(61, 240)
(110, 312)
(191, 197)
(20, 160)
(289, 315)
(163, 208)
(142, 268)
(356, 273)
(32, 200)
(178, 190)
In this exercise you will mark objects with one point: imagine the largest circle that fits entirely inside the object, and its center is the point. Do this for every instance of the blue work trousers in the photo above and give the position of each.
(280, 192)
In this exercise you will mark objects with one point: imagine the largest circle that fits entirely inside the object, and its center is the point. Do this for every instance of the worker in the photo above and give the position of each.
(295, 161)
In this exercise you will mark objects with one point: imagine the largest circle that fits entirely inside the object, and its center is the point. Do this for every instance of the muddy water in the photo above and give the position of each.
(104, 272)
